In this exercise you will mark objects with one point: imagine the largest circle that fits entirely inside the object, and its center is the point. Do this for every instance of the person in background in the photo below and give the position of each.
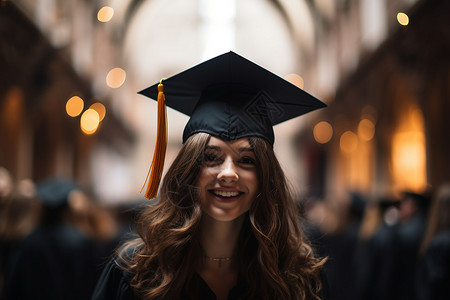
(19, 214)
(433, 276)
(224, 225)
(59, 259)
(375, 251)
(337, 239)
(408, 237)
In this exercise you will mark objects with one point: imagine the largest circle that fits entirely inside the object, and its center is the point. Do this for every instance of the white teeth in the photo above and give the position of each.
(226, 194)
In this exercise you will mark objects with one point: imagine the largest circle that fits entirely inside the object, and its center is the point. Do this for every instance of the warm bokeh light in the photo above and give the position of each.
(348, 142)
(11, 109)
(12, 119)
(89, 121)
(366, 130)
(409, 158)
(100, 109)
(105, 14)
(296, 80)
(409, 151)
(403, 18)
(74, 106)
(115, 78)
(323, 132)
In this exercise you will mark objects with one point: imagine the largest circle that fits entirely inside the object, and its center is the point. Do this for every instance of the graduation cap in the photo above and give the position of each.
(228, 97)
(54, 192)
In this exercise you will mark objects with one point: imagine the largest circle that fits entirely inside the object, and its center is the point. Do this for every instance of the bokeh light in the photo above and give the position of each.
(403, 18)
(115, 78)
(348, 142)
(74, 106)
(100, 109)
(409, 154)
(296, 80)
(89, 121)
(366, 130)
(323, 132)
(105, 14)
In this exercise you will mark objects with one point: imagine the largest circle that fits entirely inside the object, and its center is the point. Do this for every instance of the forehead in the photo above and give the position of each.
(235, 144)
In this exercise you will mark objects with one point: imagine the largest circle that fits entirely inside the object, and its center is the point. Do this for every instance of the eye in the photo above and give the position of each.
(209, 157)
(247, 160)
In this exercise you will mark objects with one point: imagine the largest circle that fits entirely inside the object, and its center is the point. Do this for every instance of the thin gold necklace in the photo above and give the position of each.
(220, 260)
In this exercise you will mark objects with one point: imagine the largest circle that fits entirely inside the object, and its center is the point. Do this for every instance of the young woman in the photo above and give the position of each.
(225, 225)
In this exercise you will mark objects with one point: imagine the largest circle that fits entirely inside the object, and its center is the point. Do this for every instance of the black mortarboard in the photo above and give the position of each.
(231, 97)
(54, 192)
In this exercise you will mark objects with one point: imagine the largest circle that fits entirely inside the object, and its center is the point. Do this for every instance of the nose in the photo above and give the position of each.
(228, 173)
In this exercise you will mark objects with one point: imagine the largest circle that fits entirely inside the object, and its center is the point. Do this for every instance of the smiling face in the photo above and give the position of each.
(228, 180)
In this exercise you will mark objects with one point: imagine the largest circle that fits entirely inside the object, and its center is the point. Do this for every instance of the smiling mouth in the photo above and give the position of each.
(225, 194)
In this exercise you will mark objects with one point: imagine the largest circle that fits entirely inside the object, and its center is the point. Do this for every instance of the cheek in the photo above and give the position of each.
(253, 182)
(204, 177)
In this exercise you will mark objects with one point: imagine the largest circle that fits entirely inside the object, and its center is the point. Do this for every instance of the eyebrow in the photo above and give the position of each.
(208, 147)
(246, 149)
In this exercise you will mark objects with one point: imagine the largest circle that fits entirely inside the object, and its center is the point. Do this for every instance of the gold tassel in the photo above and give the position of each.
(157, 166)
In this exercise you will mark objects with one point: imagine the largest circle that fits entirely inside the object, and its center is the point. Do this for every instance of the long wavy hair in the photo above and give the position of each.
(275, 261)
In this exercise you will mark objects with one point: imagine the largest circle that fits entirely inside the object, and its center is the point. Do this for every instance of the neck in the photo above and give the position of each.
(219, 239)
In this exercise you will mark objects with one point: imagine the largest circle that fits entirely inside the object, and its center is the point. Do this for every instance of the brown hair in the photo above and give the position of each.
(276, 263)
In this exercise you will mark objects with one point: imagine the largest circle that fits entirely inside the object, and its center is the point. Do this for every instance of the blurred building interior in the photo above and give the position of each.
(70, 72)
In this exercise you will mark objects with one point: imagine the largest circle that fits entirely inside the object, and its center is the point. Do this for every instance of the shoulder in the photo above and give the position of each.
(114, 283)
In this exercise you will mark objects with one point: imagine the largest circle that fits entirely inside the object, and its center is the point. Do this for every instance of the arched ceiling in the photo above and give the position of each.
(297, 14)
(279, 32)
(161, 38)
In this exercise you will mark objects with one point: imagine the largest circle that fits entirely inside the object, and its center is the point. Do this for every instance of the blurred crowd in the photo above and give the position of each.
(55, 238)
(384, 248)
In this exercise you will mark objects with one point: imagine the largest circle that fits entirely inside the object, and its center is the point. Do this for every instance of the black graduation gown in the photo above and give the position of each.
(113, 285)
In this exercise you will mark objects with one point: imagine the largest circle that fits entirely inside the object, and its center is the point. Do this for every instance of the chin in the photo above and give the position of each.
(221, 215)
